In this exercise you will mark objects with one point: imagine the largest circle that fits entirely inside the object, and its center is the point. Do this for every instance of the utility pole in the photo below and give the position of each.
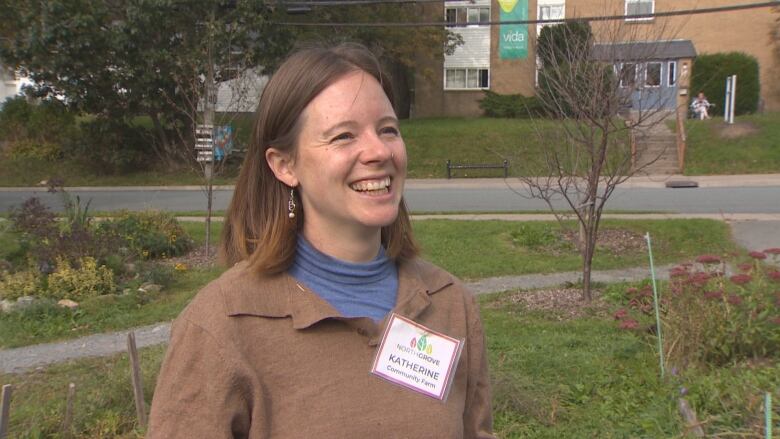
(205, 134)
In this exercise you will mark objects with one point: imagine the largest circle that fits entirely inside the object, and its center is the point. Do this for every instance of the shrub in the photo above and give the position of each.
(45, 239)
(711, 318)
(149, 234)
(110, 146)
(37, 131)
(88, 280)
(510, 106)
(19, 284)
(710, 73)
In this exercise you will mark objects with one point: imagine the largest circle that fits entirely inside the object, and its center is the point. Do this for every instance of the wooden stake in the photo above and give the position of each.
(692, 423)
(5, 409)
(67, 421)
(135, 375)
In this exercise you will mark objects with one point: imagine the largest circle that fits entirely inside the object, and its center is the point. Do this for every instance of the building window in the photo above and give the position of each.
(672, 73)
(653, 74)
(466, 79)
(627, 75)
(467, 15)
(639, 7)
(550, 12)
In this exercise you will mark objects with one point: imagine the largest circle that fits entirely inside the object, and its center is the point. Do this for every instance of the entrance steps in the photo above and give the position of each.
(656, 145)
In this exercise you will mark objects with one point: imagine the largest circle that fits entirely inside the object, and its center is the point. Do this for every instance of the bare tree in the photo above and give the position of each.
(598, 90)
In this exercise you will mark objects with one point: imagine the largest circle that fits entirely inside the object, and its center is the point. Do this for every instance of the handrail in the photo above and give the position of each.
(681, 139)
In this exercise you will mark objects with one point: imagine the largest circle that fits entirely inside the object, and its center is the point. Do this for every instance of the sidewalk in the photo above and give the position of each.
(18, 360)
(752, 231)
(649, 181)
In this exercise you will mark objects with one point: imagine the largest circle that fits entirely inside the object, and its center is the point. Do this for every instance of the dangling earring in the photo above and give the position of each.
(291, 204)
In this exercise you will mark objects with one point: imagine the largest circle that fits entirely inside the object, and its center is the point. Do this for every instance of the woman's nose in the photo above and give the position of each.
(375, 149)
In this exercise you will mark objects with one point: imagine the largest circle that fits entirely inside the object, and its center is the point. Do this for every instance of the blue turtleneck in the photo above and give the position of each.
(353, 289)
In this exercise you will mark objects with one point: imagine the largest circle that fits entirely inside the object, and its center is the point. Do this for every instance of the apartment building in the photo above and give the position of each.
(501, 58)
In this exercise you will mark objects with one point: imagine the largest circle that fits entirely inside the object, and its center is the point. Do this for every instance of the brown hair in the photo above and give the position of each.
(257, 226)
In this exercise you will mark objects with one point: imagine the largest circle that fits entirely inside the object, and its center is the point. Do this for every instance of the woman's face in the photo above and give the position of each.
(350, 162)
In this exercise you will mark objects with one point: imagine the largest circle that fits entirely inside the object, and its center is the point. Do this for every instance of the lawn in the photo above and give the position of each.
(572, 378)
(469, 249)
(750, 146)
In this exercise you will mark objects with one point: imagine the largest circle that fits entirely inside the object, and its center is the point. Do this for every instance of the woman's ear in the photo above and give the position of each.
(281, 165)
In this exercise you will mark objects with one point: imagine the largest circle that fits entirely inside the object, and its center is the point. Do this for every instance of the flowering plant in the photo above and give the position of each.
(712, 313)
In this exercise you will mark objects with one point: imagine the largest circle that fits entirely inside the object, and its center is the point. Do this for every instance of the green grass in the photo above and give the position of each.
(477, 249)
(709, 152)
(430, 142)
(468, 249)
(580, 378)
(577, 378)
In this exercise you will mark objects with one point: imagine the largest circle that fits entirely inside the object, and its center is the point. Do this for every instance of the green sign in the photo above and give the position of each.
(513, 38)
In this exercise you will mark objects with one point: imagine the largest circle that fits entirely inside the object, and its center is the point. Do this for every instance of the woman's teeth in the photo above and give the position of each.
(374, 186)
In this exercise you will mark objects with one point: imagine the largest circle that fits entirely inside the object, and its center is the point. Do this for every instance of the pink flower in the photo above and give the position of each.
(734, 299)
(708, 259)
(774, 275)
(712, 295)
(745, 267)
(631, 291)
(757, 255)
(628, 323)
(678, 272)
(741, 279)
(700, 278)
(773, 251)
(620, 314)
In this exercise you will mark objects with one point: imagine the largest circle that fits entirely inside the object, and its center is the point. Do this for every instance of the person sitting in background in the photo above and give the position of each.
(701, 106)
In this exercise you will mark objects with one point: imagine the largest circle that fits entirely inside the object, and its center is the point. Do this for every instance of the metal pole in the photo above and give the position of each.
(726, 102)
(733, 98)
(655, 302)
(208, 120)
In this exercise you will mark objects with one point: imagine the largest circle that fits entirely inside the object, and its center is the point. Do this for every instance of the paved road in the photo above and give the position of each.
(454, 196)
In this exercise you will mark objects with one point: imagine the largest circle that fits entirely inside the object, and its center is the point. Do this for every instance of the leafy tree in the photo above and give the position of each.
(564, 43)
(119, 60)
(398, 48)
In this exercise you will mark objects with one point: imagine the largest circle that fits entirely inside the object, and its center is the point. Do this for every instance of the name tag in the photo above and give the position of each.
(417, 357)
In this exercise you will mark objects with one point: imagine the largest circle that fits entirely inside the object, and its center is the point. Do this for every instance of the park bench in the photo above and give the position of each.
(504, 166)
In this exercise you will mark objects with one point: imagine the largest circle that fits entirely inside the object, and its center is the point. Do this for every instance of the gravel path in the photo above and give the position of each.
(29, 357)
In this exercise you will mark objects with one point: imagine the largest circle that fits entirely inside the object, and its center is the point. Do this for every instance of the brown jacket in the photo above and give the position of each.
(266, 357)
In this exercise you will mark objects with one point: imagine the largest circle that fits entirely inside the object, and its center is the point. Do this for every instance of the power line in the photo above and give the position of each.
(353, 2)
(717, 9)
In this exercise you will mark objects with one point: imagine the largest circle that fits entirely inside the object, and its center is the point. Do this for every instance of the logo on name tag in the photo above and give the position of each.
(417, 357)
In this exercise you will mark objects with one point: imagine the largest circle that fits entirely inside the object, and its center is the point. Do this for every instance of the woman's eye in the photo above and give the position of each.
(390, 130)
(342, 137)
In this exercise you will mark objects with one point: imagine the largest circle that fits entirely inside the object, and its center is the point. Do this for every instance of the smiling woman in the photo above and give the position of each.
(326, 289)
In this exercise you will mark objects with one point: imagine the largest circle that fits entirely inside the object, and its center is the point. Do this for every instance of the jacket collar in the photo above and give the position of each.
(279, 296)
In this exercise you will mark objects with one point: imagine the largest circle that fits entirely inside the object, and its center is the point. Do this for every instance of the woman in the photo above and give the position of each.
(287, 342)
(701, 106)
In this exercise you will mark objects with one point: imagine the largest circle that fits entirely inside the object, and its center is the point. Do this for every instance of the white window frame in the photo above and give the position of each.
(466, 78)
(466, 10)
(631, 18)
(646, 69)
(620, 74)
(671, 73)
